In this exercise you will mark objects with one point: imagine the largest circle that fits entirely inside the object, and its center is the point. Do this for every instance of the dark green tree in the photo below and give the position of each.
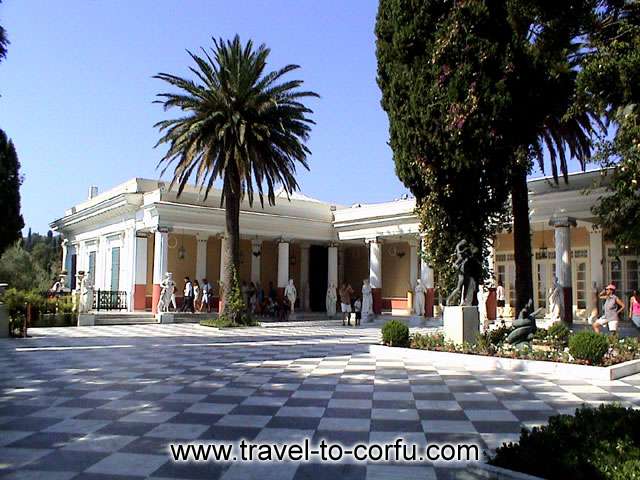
(475, 91)
(237, 124)
(609, 83)
(10, 181)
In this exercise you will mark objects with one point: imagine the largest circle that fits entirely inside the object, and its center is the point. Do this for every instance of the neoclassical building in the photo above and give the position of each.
(129, 236)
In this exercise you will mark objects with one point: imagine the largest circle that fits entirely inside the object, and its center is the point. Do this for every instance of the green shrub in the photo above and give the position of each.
(588, 346)
(395, 334)
(559, 332)
(596, 444)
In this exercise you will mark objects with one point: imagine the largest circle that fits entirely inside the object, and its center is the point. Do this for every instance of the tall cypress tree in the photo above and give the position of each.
(10, 181)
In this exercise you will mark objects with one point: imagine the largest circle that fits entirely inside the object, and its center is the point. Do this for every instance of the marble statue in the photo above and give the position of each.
(482, 308)
(86, 294)
(468, 269)
(291, 293)
(332, 298)
(168, 293)
(367, 301)
(525, 325)
(418, 298)
(556, 302)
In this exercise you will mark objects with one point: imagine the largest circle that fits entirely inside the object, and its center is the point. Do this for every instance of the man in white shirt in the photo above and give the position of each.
(187, 299)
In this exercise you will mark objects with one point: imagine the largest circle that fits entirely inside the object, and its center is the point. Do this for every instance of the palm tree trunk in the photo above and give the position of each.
(232, 241)
(521, 238)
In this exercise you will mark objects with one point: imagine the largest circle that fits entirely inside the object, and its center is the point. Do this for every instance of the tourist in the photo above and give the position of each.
(284, 308)
(357, 307)
(196, 295)
(500, 303)
(206, 295)
(634, 309)
(613, 307)
(273, 295)
(253, 299)
(187, 299)
(345, 302)
(259, 298)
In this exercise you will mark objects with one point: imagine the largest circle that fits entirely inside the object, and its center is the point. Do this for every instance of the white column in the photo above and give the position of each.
(597, 259)
(304, 277)
(160, 256)
(256, 254)
(332, 265)
(375, 263)
(201, 256)
(65, 253)
(413, 263)
(562, 225)
(426, 272)
(283, 263)
(160, 263)
(563, 248)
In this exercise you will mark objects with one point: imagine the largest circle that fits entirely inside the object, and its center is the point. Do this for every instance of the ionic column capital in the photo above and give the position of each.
(562, 221)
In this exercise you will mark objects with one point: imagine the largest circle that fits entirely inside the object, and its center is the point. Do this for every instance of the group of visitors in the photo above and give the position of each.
(266, 304)
(349, 304)
(196, 297)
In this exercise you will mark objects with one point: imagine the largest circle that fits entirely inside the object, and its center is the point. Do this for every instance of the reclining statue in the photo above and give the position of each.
(525, 325)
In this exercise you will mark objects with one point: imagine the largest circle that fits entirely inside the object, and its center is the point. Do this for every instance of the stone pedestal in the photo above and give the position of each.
(430, 296)
(86, 319)
(461, 324)
(4, 321)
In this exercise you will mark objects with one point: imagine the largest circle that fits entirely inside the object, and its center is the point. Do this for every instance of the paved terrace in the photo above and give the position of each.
(104, 402)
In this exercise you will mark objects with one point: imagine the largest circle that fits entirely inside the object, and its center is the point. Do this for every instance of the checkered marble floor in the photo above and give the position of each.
(104, 402)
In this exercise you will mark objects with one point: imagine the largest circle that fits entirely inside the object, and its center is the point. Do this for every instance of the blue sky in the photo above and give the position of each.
(76, 90)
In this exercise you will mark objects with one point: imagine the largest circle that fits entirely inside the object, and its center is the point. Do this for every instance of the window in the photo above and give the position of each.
(115, 268)
(92, 268)
(581, 285)
(632, 276)
(541, 280)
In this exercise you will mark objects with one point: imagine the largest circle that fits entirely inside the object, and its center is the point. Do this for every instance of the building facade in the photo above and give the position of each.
(128, 237)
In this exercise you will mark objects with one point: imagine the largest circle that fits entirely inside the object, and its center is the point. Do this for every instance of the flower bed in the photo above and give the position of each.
(545, 347)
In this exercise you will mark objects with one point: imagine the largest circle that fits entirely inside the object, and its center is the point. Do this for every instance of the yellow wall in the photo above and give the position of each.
(186, 266)
(579, 239)
(396, 259)
(213, 262)
(356, 266)
(269, 265)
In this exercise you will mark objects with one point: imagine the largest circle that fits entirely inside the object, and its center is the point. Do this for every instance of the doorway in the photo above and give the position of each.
(318, 256)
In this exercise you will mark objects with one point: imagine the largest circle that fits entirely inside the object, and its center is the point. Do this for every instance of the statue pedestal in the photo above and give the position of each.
(461, 324)
(86, 319)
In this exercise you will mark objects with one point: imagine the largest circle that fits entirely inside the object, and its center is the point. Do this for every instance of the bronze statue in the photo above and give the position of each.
(468, 269)
(525, 325)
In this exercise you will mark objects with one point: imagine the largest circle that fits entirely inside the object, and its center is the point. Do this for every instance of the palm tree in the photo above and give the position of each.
(237, 124)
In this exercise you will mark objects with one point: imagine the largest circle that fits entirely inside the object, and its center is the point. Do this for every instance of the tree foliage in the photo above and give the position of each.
(238, 124)
(475, 92)
(609, 83)
(10, 181)
(32, 263)
(444, 71)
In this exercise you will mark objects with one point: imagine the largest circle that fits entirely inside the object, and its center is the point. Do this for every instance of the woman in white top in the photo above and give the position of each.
(196, 295)
(613, 307)
(500, 299)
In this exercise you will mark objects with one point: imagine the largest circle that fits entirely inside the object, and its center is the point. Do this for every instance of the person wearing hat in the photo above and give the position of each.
(613, 307)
